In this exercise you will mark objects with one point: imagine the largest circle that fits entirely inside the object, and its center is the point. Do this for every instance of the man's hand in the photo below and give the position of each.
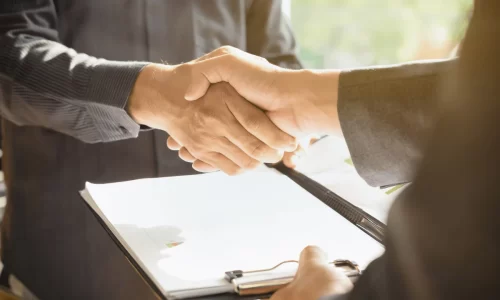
(299, 102)
(221, 131)
(290, 159)
(315, 278)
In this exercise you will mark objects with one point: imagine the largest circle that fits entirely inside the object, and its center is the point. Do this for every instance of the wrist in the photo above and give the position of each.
(316, 91)
(142, 104)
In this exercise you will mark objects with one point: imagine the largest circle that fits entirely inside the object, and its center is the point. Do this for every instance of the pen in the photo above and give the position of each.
(352, 213)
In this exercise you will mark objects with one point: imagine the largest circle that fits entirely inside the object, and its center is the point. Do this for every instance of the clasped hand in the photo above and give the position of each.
(258, 112)
(295, 101)
(220, 131)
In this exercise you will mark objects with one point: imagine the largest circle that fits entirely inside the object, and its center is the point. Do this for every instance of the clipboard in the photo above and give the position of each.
(248, 283)
(340, 205)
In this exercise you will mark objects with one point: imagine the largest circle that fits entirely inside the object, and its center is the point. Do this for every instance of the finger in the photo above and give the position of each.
(236, 155)
(185, 155)
(312, 255)
(198, 87)
(251, 145)
(258, 123)
(203, 167)
(205, 72)
(214, 67)
(291, 159)
(173, 144)
(281, 294)
(221, 162)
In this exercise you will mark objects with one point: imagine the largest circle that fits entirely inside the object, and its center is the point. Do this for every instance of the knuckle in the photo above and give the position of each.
(252, 122)
(198, 120)
(185, 154)
(283, 138)
(216, 157)
(250, 164)
(210, 117)
(232, 58)
(197, 151)
(234, 171)
(203, 118)
(259, 150)
(226, 49)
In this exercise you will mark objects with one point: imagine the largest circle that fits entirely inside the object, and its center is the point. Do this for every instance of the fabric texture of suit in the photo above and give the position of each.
(442, 240)
(67, 68)
(386, 114)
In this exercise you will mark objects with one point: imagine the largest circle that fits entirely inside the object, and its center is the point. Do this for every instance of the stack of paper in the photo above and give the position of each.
(186, 232)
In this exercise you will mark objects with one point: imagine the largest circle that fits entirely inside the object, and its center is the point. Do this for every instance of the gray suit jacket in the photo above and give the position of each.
(61, 104)
(443, 240)
(386, 114)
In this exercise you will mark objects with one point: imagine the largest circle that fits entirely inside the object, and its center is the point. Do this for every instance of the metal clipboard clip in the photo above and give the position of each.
(260, 282)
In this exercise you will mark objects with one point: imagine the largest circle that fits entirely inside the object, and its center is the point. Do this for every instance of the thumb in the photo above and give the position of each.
(205, 72)
(198, 87)
(312, 255)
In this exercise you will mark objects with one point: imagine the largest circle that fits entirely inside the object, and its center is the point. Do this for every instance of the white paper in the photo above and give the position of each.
(222, 223)
(327, 162)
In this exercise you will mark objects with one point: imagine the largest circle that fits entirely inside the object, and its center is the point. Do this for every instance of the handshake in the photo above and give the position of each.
(230, 110)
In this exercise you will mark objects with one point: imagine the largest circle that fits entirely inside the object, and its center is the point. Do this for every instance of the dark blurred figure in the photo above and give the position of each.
(444, 240)
(50, 240)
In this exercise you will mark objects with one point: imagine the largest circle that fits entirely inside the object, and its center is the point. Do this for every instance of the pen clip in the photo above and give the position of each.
(370, 227)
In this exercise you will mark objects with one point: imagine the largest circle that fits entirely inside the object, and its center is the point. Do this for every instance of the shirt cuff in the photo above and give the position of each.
(110, 86)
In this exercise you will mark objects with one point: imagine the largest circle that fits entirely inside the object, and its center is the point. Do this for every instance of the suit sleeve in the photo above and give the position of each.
(270, 35)
(43, 83)
(385, 114)
(442, 240)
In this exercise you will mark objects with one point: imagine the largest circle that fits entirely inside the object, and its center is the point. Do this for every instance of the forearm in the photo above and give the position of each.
(386, 115)
(44, 83)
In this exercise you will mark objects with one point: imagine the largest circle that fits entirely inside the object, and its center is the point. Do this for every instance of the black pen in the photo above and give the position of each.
(363, 220)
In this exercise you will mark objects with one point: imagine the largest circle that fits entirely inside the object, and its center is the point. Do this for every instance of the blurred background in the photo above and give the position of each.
(356, 33)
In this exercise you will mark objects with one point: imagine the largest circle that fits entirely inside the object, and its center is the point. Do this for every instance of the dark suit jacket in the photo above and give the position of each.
(443, 240)
(61, 105)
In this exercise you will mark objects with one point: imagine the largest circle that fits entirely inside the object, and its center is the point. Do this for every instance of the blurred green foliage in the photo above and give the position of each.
(353, 33)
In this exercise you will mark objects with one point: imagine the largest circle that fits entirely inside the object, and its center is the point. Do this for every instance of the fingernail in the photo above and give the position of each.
(276, 157)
